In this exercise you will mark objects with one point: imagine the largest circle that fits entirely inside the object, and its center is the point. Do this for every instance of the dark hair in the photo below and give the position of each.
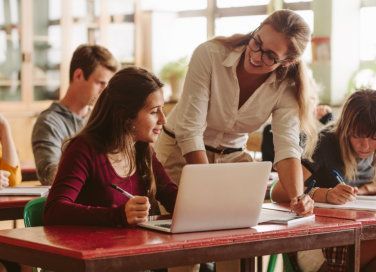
(109, 128)
(88, 57)
(358, 118)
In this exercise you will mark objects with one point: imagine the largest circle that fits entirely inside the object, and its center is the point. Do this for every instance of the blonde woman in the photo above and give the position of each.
(233, 85)
(344, 166)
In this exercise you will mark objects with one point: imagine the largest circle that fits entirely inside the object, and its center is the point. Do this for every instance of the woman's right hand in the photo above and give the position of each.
(341, 194)
(137, 210)
(4, 178)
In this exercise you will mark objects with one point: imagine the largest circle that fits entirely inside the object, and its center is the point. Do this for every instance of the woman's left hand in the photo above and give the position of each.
(367, 189)
(302, 206)
(4, 178)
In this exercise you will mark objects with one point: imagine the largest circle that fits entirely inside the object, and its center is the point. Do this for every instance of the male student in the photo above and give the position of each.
(91, 68)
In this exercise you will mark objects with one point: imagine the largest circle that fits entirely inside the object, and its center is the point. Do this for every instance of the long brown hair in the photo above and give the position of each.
(109, 128)
(298, 33)
(358, 118)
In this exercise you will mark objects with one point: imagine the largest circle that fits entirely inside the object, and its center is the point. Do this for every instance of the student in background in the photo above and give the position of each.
(91, 68)
(233, 85)
(323, 114)
(114, 148)
(10, 170)
(344, 166)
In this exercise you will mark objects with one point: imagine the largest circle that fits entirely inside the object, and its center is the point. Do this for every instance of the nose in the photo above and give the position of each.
(161, 118)
(364, 144)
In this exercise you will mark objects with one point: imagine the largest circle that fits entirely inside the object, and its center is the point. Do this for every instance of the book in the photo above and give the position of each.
(25, 191)
(271, 216)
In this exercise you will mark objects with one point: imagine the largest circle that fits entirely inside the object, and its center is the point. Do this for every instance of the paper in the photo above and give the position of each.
(25, 191)
(367, 203)
(283, 218)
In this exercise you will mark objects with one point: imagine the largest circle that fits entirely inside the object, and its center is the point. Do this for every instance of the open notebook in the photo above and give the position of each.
(25, 191)
(367, 203)
(217, 196)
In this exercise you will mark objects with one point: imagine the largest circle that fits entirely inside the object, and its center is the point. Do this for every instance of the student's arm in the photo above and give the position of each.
(47, 141)
(368, 189)
(192, 109)
(76, 167)
(9, 160)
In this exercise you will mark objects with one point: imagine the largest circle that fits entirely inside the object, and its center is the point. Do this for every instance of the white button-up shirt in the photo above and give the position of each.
(207, 113)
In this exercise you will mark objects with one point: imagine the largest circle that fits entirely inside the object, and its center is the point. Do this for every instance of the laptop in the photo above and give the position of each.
(216, 197)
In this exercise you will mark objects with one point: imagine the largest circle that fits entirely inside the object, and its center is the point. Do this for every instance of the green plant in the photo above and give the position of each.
(174, 70)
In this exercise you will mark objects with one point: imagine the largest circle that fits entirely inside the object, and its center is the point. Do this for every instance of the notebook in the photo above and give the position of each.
(216, 197)
(366, 203)
(269, 216)
(25, 191)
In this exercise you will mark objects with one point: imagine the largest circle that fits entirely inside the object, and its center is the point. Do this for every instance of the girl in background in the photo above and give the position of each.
(344, 166)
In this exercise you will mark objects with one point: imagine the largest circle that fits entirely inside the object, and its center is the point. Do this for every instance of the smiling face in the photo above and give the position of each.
(272, 44)
(150, 119)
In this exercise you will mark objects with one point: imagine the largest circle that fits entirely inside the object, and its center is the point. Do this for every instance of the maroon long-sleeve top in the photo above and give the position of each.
(82, 194)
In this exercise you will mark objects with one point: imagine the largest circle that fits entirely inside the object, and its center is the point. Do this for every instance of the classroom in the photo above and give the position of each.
(190, 135)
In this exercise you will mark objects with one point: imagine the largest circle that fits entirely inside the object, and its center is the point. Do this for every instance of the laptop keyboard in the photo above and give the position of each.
(164, 225)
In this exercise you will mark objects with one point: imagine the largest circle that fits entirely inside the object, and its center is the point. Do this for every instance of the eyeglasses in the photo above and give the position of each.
(266, 56)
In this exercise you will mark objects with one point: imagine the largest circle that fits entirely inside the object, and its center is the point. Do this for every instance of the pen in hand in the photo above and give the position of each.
(310, 186)
(338, 176)
(124, 192)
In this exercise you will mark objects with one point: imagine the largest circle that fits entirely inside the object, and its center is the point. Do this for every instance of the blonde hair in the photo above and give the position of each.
(358, 118)
(298, 33)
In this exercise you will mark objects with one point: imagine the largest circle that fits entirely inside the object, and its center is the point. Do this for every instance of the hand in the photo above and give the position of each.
(341, 194)
(137, 210)
(4, 178)
(367, 189)
(302, 206)
(322, 110)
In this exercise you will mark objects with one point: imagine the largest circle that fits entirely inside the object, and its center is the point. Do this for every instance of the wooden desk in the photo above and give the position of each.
(366, 218)
(11, 207)
(74, 248)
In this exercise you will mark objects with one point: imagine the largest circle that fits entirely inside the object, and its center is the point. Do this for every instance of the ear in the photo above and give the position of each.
(78, 74)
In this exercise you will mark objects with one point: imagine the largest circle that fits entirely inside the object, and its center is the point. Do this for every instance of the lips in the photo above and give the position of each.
(157, 131)
(252, 63)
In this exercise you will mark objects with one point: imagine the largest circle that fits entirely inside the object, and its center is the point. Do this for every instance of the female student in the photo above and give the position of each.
(233, 85)
(344, 165)
(10, 171)
(114, 149)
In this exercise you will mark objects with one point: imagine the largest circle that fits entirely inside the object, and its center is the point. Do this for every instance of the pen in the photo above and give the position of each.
(310, 186)
(124, 192)
(338, 176)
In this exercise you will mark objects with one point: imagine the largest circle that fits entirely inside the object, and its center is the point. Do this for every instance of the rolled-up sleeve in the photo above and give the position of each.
(286, 127)
(191, 115)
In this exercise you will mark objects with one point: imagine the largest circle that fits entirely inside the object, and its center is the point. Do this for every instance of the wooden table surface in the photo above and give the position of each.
(74, 248)
(11, 207)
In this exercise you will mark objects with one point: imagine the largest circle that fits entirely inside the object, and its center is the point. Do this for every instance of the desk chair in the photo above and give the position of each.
(33, 214)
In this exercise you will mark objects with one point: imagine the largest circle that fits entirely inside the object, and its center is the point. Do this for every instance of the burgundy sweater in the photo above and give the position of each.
(81, 193)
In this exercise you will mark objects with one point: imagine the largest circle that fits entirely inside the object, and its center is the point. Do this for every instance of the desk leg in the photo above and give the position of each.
(247, 265)
(354, 253)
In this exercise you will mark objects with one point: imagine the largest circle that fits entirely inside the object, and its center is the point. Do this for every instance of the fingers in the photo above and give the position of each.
(341, 194)
(4, 178)
(303, 206)
(137, 210)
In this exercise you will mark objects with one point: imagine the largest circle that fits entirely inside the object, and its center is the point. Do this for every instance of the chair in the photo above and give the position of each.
(33, 212)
